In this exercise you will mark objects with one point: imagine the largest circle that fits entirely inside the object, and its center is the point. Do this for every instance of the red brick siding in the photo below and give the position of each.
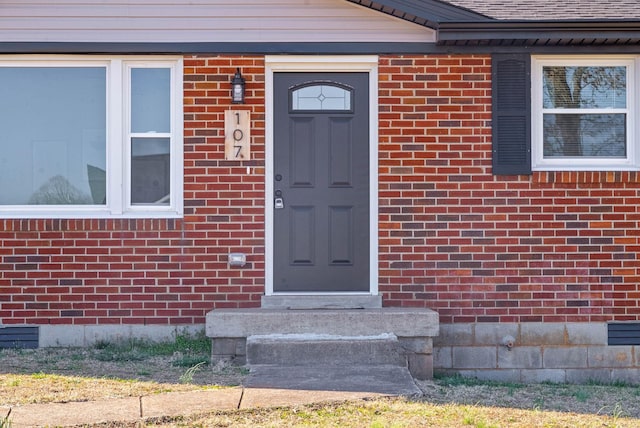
(553, 247)
(154, 271)
(225, 198)
(453, 237)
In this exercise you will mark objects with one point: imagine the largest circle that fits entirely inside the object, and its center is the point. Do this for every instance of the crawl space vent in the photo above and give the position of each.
(19, 337)
(624, 333)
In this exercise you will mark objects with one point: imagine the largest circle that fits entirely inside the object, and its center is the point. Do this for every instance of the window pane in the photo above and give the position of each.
(585, 87)
(585, 135)
(52, 135)
(150, 171)
(150, 100)
(321, 97)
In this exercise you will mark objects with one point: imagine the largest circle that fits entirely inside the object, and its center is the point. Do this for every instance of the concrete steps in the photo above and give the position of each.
(317, 344)
(375, 364)
(324, 350)
(382, 380)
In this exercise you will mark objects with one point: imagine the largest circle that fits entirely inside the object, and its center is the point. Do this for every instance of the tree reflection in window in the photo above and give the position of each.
(584, 111)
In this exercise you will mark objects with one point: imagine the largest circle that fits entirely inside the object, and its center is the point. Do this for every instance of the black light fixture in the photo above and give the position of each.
(237, 88)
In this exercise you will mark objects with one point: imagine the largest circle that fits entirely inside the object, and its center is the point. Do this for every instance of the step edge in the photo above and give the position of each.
(315, 337)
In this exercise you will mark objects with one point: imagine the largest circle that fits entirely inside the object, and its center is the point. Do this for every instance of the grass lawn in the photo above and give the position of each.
(135, 368)
(399, 413)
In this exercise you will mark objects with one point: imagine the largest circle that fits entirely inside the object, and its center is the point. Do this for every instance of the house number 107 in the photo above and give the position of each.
(237, 135)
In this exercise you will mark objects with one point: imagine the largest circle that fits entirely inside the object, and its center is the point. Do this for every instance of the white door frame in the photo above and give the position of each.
(311, 63)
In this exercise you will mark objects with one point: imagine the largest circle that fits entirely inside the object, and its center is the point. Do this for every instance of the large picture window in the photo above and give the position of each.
(90, 137)
(582, 114)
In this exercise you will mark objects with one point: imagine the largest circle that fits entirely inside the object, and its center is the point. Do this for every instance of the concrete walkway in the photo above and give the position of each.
(134, 409)
(266, 386)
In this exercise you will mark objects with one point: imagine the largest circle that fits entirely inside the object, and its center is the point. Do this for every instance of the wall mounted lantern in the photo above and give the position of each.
(237, 88)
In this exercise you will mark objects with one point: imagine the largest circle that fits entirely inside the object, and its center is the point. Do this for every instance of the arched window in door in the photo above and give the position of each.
(321, 96)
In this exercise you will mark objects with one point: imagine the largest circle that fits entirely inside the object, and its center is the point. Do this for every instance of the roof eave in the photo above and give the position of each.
(540, 32)
(428, 13)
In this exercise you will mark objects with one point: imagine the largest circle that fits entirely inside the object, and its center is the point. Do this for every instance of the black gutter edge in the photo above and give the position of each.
(518, 30)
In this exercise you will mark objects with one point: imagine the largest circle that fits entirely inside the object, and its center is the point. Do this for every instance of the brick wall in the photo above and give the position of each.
(154, 271)
(553, 247)
(224, 200)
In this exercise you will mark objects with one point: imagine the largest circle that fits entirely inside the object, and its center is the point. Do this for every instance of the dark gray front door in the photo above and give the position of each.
(321, 182)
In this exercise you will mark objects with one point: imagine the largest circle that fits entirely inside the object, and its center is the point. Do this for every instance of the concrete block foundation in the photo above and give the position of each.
(534, 352)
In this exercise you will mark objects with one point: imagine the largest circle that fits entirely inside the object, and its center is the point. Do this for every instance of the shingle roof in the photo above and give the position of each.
(553, 9)
(434, 12)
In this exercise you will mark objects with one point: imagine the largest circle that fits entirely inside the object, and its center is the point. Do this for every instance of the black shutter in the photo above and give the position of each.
(511, 113)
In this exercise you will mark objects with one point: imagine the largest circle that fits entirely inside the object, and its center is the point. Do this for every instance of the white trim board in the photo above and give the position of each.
(352, 64)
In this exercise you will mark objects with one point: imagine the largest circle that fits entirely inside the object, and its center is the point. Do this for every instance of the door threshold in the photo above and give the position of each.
(309, 301)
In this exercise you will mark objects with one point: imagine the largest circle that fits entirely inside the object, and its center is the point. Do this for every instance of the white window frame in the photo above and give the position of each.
(118, 144)
(539, 162)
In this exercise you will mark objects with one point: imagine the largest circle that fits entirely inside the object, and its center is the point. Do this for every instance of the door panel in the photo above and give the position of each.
(340, 235)
(340, 153)
(321, 176)
(302, 236)
(302, 149)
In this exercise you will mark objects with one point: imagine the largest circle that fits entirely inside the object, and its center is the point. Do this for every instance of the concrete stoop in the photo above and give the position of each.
(376, 350)
(324, 350)
(374, 364)
(379, 379)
